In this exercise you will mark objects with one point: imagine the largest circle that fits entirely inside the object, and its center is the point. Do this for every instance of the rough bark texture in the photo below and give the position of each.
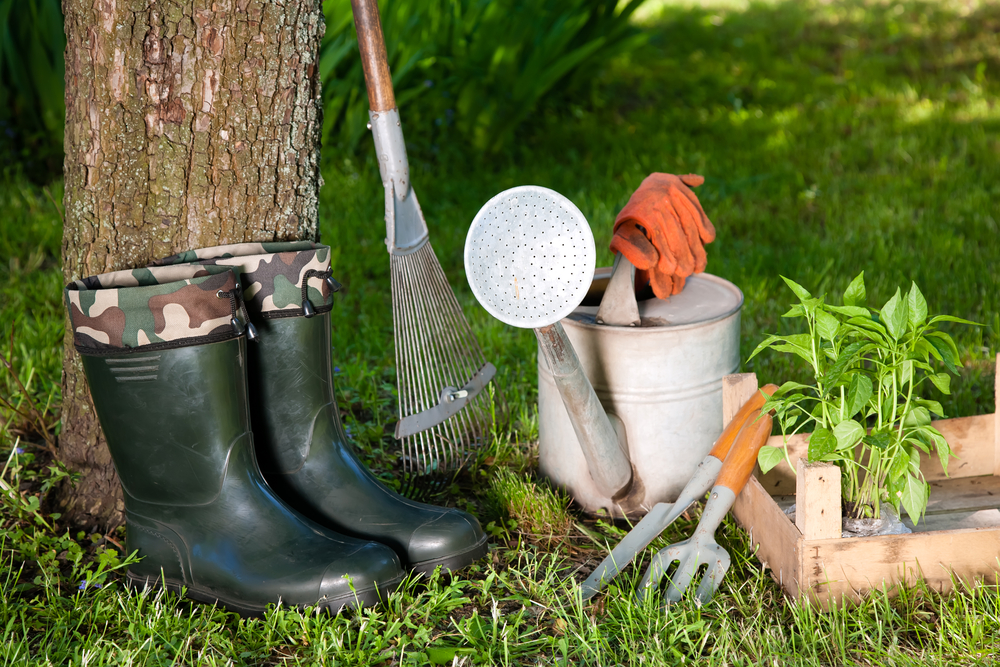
(188, 124)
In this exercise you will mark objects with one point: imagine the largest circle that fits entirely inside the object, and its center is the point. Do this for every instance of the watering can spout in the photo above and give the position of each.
(605, 452)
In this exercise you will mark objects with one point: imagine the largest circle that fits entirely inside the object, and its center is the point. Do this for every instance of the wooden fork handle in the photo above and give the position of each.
(753, 404)
(371, 43)
(739, 463)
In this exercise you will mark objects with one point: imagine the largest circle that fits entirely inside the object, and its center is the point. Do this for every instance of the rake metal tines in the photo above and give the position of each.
(435, 349)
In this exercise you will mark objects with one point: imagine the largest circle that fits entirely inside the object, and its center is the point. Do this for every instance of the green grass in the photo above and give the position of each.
(834, 138)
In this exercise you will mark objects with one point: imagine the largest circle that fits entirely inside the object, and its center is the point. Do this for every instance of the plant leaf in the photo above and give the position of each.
(945, 346)
(906, 372)
(898, 468)
(764, 344)
(848, 433)
(850, 311)
(942, 381)
(855, 293)
(848, 356)
(869, 324)
(914, 497)
(920, 441)
(932, 406)
(799, 290)
(917, 416)
(821, 443)
(827, 325)
(940, 445)
(795, 311)
(893, 315)
(787, 387)
(916, 307)
(768, 457)
(914, 456)
(858, 393)
(879, 440)
(949, 318)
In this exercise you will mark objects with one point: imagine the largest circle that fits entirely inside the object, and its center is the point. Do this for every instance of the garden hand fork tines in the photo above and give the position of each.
(701, 550)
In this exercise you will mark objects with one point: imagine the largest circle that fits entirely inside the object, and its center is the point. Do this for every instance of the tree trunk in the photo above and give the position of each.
(188, 124)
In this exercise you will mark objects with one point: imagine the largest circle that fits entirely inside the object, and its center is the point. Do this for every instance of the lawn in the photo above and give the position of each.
(834, 139)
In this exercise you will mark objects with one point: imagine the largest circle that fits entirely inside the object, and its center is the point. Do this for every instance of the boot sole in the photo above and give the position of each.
(356, 600)
(454, 562)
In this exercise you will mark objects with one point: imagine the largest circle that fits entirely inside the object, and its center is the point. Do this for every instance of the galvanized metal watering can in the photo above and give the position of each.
(629, 393)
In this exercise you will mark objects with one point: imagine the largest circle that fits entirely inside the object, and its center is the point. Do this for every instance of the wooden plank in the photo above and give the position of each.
(839, 569)
(736, 390)
(996, 417)
(972, 439)
(817, 500)
(956, 519)
(775, 538)
(964, 494)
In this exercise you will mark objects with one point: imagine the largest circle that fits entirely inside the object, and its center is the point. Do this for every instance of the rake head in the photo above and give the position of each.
(441, 372)
(691, 557)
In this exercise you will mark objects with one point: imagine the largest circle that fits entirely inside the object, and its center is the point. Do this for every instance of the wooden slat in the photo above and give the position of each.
(736, 390)
(964, 494)
(817, 500)
(775, 538)
(838, 569)
(972, 441)
(996, 417)
(956, 519)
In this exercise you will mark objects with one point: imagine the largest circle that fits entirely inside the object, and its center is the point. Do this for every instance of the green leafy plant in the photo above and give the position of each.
(864, 409)
(31, 83)
(480, 66)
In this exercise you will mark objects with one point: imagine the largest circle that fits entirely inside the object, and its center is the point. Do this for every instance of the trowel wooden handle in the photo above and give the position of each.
(725, 441)
(371, 43)
(739, 463)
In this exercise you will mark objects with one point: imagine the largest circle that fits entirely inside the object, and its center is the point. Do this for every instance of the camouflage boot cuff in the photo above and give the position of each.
(156, 309)
(286, 279)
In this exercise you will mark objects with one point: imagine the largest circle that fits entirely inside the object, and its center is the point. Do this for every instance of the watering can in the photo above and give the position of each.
(630, 393)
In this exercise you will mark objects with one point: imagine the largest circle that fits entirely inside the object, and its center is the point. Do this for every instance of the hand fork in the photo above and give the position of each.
(701, 549)
(664, 514)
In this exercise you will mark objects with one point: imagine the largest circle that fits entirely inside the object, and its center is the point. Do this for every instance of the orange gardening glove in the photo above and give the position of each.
(662, 231)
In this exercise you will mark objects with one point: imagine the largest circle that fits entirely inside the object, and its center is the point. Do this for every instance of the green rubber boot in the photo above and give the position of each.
(301, 444)
(166, 367)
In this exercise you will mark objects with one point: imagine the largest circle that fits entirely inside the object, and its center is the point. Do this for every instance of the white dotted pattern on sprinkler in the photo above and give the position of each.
(529, 256)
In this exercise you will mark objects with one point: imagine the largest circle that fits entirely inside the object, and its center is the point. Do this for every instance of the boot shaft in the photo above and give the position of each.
(166, 367)
(288, 290)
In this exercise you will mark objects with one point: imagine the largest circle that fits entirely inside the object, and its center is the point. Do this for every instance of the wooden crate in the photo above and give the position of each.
(958, 540)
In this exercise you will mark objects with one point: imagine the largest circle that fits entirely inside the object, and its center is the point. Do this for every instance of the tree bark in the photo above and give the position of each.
(188, 124)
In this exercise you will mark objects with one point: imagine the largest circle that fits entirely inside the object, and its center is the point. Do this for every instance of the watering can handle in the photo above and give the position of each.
(374, 61)
(618, 306)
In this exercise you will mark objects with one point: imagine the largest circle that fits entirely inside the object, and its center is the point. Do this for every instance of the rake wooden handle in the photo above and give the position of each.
(742, 457)
(753, 404)
(371, 43)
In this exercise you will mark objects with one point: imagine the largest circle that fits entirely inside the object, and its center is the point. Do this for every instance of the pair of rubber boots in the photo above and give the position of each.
(238, 478)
